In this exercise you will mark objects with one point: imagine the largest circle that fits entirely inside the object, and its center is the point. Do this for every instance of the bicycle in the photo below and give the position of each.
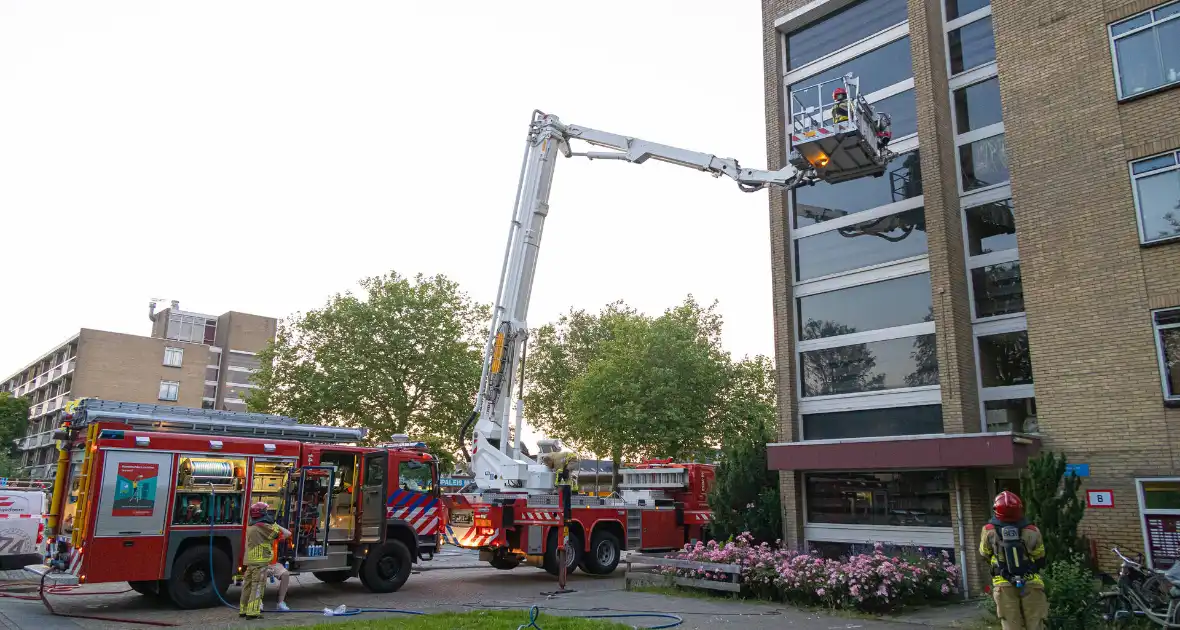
(1140, 593)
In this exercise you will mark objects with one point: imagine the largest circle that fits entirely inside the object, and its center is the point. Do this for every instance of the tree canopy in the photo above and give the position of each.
(404, 357)
(14, 420)
(631, 386)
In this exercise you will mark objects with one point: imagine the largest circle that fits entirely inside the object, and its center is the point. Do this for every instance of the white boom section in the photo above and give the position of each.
(497, 462)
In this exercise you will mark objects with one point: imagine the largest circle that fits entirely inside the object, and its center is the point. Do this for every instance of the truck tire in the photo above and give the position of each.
(332, 577)
(604, 554)
(190, 585)
(572, 560)
(157, 589)
(504, 563)
(387, 568)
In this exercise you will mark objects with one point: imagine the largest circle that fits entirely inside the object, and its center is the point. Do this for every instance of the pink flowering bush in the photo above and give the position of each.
(871, 581)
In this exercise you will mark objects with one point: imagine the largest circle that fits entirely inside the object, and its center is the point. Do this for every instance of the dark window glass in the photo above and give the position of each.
(241, 378)
(824, 202)
(1139, 62)
(1161, 495)
(878, 68)
(1019, 415)
(873, 366)
(972, 45)
(1170, 347)
(210, 374)
(1004, 359)
(1159, 205)
(842, 28)
(991, 227)
(984, 162)
(997, 289)
(1152, 164)
(885, 304)
(915, 499)
(1131, 24)
(978, 105)
(959, 8)
(903, 113)
(883, 240)
(210, 391)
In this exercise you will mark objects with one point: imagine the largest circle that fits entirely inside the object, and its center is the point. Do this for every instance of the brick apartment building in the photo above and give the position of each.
(1011, 284)
(190, 360)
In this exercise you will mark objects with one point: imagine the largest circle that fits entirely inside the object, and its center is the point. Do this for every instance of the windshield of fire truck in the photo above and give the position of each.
(416, 476)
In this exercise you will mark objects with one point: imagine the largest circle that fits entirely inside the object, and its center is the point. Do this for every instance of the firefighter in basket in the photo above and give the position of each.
(561, 463)
(1016, 551)
(840, 109)
(261, 562)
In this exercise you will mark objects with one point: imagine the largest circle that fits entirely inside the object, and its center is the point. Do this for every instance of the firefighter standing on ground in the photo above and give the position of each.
(1016, 551)
(261, 562)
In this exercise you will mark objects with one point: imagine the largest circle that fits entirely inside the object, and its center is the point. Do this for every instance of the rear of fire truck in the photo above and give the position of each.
(158, 496)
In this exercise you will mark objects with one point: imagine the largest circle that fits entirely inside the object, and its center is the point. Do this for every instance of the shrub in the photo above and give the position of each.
(1070, 586)
(870, 581)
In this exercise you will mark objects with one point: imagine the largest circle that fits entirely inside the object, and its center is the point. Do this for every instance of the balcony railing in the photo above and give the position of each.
(50, 375)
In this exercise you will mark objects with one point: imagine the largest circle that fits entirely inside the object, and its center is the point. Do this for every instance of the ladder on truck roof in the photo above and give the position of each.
(838, 150)
(170, 419)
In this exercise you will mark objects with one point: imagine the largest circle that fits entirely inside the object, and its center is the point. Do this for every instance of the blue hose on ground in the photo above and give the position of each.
(535, 611)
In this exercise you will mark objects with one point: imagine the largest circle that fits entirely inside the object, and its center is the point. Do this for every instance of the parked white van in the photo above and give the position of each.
(22, 527)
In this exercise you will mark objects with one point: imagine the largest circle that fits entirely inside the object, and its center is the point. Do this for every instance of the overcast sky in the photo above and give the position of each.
(260, 156)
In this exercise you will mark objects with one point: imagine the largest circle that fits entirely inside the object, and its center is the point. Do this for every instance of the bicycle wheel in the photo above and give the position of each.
(1106, 610)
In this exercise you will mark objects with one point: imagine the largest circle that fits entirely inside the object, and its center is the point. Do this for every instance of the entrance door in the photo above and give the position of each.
(373, 497)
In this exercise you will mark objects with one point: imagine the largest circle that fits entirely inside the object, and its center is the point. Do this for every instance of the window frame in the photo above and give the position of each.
(1143, 240)
(1143, 512)
(974, 200)
(1157, 330)
(1002, 392)
(893, 534)
(1114, 58)
(176, 352)
(175, 388)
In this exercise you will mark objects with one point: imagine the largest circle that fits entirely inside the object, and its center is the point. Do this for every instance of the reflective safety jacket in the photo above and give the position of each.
(840, 111)
(990, 547)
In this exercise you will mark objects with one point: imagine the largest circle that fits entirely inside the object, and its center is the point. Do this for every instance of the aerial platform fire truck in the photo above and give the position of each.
(514, 510)
(143, 491)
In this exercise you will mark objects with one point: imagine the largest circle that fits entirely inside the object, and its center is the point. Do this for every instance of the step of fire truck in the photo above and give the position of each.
(170, 419)
(838, 151)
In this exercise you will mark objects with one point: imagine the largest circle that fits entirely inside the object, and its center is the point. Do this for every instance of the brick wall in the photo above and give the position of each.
(1088, 284)
(130, 367)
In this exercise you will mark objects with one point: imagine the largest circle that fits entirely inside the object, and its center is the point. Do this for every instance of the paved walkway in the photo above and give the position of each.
(458, 583)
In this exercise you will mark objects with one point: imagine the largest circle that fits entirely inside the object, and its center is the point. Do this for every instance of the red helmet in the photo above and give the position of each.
(840, 93)
(258, 510)
(1008, 507)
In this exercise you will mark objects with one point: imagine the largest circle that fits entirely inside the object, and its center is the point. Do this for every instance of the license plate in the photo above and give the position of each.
(462, 517)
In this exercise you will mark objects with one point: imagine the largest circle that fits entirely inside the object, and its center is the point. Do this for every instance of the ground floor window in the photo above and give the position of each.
(1159, 515)
(893, 499)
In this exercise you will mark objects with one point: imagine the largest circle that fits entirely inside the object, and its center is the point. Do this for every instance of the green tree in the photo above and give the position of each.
(745, 494)
(402, 358)
(628, 385)
(1051, 502)
(14, 420)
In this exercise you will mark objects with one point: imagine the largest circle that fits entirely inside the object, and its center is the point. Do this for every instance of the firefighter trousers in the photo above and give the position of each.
(253, 588)
(1021, 610)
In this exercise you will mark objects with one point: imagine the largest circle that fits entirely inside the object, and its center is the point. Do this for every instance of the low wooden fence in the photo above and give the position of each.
(651, 573)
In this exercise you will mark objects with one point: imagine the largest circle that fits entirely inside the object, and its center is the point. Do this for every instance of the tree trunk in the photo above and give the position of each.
(616, 457)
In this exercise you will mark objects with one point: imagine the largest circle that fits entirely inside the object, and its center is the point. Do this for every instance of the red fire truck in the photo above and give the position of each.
(143, 491)
(663, 505)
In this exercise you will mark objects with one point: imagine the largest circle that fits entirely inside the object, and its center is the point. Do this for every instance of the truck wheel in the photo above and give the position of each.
(604, 553)
(157, 589)
(504, 563)
(191, 585)
(573, 553)
(332, 577)
(387, 568)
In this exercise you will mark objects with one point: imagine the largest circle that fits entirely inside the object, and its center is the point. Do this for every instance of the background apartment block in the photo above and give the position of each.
(1010, 284)
(190, 360)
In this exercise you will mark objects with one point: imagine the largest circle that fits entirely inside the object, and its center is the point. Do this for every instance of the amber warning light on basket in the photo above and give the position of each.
(1099, 498)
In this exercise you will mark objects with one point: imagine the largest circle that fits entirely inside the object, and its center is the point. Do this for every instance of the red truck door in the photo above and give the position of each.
(128, 542)
(372, 527)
